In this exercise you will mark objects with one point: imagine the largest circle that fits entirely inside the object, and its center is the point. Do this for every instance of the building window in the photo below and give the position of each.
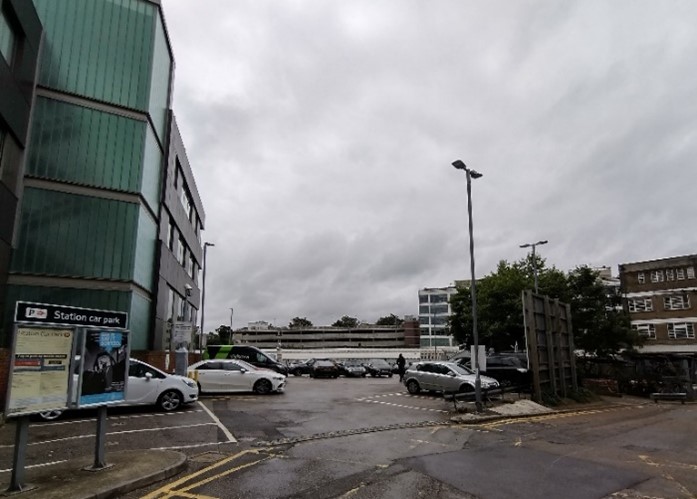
(171, 235)
(676, 302)
(190, 264)
(680, 274)
(640, 305)
(423, 309)
(181, 250)
(8, 39)
(646, 330)
(681, 331)
(657, 276)
(423, 298)
(690, 272)
(670, 274)
(641, 278)
(187, 204)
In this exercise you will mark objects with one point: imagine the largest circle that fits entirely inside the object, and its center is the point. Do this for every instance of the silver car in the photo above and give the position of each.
(443, 377)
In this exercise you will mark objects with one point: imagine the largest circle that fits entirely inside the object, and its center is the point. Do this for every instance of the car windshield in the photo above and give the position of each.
(459, 369)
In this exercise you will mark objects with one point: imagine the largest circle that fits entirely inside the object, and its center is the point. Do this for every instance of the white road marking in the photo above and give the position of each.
(218, 422)
(37, 465)
(133, 416)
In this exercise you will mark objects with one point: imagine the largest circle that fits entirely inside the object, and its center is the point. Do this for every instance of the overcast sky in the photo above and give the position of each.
(321, 136)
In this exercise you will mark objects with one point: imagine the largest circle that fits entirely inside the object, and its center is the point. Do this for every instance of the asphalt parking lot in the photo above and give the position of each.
(307, 407)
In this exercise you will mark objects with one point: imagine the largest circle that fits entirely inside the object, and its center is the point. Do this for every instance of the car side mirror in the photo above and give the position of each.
(148, 376)
(243, 370)
(451, 374)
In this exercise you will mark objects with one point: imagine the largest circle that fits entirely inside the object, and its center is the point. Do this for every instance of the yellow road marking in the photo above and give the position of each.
(220, 475)
(167, 489)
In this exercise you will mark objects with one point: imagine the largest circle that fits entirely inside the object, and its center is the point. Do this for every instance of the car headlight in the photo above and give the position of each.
(189, 383)
(278, 378)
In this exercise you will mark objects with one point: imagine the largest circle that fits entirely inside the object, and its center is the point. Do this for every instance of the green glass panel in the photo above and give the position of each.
(85, 146)
(101, 49)
(159, 85)
(152, 171)
(139, 318)
(7, 39)
(146, 245)
(76, 236)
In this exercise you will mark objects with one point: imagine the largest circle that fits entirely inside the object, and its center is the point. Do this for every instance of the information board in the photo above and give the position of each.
(103, 369)
(40, 372)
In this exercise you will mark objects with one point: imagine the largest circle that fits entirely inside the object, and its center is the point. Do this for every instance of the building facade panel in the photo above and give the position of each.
(661, 298)
(99, 49)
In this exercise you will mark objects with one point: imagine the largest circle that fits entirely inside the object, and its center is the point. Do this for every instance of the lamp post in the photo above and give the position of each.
(203, 297)
(534, 260)
(459, 165)
(232, 310)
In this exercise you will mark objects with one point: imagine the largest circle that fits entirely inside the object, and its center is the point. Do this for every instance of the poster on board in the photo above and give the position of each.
(103, 367)
(40, 370)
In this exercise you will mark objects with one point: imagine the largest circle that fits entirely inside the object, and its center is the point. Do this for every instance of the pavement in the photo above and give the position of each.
(130, 470)
(125, 471)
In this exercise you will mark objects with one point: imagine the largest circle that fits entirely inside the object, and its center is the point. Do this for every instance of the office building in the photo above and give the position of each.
(434, 313)
(661, 299)
(109, 213)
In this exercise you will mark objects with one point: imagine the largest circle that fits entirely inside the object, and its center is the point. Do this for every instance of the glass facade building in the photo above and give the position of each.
(94, 217)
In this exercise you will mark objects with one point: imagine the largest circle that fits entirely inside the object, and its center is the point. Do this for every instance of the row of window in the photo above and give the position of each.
(674, 274)
(430, 310)
(677, 331)
(186, 200)
(185, 257)
(439, 298)
(670, 302)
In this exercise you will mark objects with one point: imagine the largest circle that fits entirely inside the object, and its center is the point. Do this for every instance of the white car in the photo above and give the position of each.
(147, 385)
(234, 375)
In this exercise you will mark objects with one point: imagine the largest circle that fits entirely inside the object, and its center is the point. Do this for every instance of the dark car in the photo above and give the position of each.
(247, 353)
(352, 369)
(324, 369)
(508, 370)
(378, 367)
(300, 368)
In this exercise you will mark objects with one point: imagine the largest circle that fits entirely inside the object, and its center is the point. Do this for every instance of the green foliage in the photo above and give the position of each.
(299, 323)
(213, 339)
(346, 321)
(224, 334)
(390, 320)
(600, 326)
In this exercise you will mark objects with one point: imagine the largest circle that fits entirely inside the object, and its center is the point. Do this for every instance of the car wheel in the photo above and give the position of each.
(413, 387)
(170, 400)
(50, 415)
(297, 373)
(262, 387)
(390, 375)
(465, 388)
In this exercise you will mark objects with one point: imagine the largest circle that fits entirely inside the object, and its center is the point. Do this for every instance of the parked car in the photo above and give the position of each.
(508, 370)
(378, 367)
(301, 367)
(147, 385)
(444, 377)
(247, 353)
(352, 369)
(233, 375)
(324, 368)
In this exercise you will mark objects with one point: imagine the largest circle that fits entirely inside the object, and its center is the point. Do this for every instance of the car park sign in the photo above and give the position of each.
(44, 313)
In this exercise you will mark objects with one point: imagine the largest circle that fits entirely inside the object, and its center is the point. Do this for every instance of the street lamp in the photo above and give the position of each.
(203, 298)
(459, 165)
(534, 260)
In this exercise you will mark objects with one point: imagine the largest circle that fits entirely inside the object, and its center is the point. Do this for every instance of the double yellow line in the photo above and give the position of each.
(170, 490)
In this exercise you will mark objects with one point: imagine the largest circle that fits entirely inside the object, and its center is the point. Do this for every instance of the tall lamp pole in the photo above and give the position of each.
(534, 260)
(203, 297)
(459, 165)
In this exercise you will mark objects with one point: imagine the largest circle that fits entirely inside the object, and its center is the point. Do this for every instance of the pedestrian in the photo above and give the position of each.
(401, 362)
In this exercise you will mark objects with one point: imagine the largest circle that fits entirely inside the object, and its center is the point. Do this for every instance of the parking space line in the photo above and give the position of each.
(192, 446)
(133, 416)
(222, 427)
(37, 465)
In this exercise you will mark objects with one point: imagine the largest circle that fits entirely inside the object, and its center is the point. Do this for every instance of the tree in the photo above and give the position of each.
(499, 302)
(600, 326)
(225, 334)
(212, 339)
(299, 323)
(346, 321)
(389, 320)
